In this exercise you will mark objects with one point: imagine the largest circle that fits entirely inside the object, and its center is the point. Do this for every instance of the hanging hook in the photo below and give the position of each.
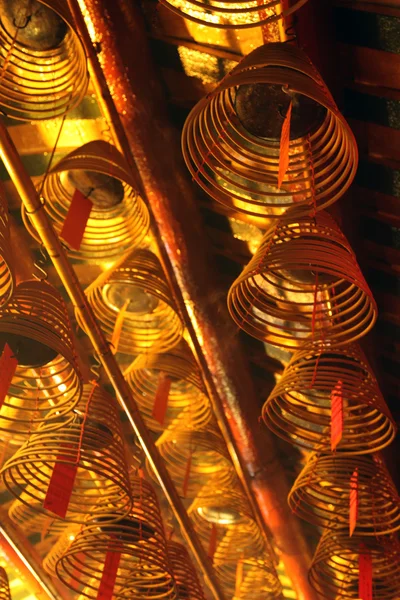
(27, 21)
(290, 31)
(40, 264)
(95, 368)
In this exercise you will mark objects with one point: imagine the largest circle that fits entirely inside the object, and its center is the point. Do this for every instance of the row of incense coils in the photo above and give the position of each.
(70, 475)
(74, 437)
(304, 291)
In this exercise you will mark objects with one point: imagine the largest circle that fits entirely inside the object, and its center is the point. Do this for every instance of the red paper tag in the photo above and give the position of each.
(284, 146)
(160, 405)
(61, 485)
(353, 502)
(364, 574)
(212, 546)
(119, 321)
(8, 365)
(109, 576)
(185, 484)
(75, 222)
(336, 415)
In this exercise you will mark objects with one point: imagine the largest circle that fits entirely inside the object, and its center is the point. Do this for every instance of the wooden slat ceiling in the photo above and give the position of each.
(191, 60)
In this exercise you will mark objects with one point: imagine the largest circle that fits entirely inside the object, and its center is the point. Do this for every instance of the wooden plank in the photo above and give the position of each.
(383, 7)
(369, 67)
(374, 203)
(377, 141)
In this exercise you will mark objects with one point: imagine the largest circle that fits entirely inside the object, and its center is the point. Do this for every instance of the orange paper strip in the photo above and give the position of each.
(160, 405)
(109, 576)
(212, 546)
(8, 365)
(364, 575)
(185, 484)
(284, 146)
(119, 321)
(75, 222)
(336, 415)
(353, 502)
(239, 577)
(61, 485)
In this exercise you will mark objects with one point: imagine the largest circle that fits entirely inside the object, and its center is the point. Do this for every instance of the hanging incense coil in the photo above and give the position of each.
(140, 540)
(258, 579)
(226, 14)
(235, 158)
(7, 277)
(303, 283)
(187, 582)
(334, 571)
(321, 493)
(137, 286)
(219, 504)
(35, 325)
(187, 389)
(193, 456)
(90, 444)
(5, 593)
(43, 76)
(27, 516)
(237, 542)
(299, 407)
(119, 219)
(226, 508)
(59, 548)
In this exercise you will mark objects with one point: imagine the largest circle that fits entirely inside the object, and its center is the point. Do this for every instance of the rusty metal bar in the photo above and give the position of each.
(33, 205)
(118, 30)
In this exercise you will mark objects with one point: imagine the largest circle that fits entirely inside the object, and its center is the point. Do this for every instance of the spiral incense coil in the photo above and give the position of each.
(187, 582)
(204, 448)
(28, 518)
(40, 81)
(244, 541)
(230, 14)
(59, 548)
(140, 540)
(7, 278)
(4, 585)
(187, 390)
(35, 325)
(119, 219)
(299, 408)
(334, 571)
(226, 508)
(321, 493)
(231, 138)
(220, 504)
(258, 580)
(303, 284)
(137, 286)
(90, 443)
